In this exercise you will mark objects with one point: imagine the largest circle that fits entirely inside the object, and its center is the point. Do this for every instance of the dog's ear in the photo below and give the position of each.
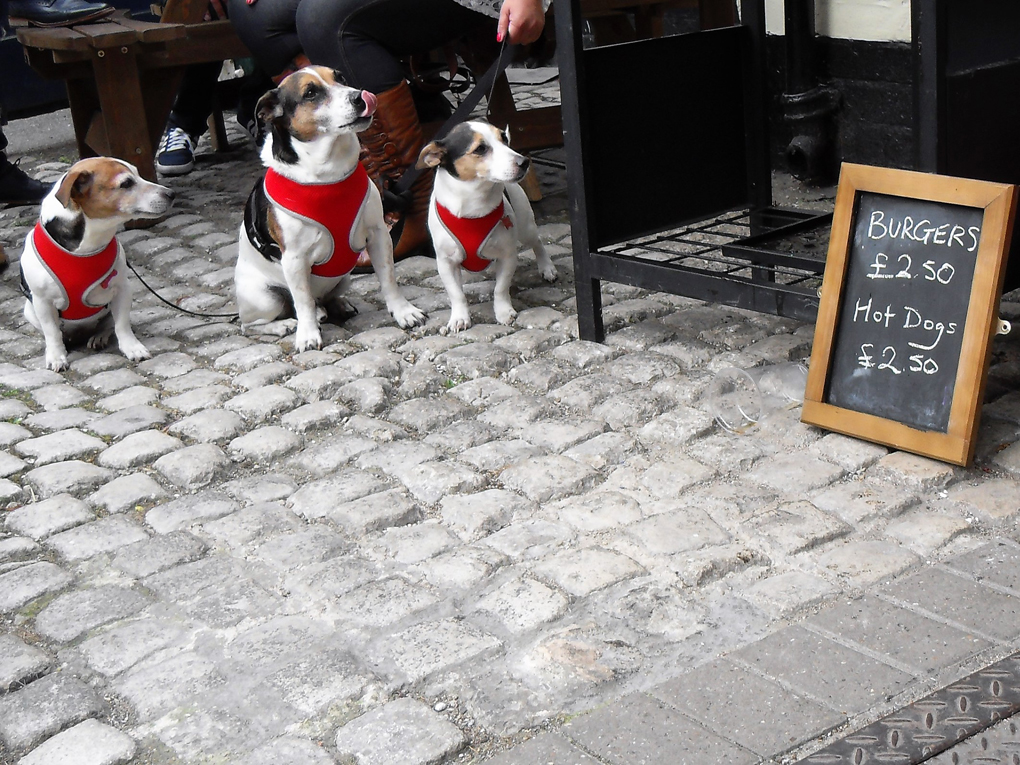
(431, 155)
(74, 186)
(269, 107)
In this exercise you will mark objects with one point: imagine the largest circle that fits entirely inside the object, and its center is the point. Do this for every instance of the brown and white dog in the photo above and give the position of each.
(73, 271)
(316, 209)
(479, 213)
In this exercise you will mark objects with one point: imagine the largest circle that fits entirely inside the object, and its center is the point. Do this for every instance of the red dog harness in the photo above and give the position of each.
(472, 233)
(334, 206)
(76, 274)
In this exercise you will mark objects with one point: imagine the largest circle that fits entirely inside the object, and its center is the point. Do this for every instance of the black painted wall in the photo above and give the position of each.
(874, 124)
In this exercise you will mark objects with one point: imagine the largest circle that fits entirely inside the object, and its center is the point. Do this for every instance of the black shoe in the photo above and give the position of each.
(58, 13)
(17, 188)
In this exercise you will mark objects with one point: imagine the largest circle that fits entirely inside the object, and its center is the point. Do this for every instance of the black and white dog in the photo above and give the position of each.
(316, 209)
(73, 270)
(479, 213)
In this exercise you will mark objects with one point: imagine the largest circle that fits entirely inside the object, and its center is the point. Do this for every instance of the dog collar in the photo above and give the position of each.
(77, 275)
(334, 206)
(472, 233)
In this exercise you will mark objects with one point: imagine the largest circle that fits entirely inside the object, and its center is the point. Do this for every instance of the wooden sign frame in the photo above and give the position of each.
(998, 201)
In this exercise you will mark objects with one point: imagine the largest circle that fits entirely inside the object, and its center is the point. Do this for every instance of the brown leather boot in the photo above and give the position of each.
(388, 148)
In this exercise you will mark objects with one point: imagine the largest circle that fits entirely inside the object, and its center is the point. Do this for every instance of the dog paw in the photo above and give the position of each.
(409, 316)
(340, 310)
(307, 341)
(506, 316)
(56, 362)
(549, 274)
(135, 351)
(99, 341)
(456, 324)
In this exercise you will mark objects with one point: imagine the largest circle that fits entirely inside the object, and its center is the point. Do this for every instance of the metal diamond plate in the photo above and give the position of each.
(998, 745)
(933, 724)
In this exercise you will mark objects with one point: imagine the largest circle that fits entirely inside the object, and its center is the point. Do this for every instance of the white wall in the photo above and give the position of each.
(851, 19)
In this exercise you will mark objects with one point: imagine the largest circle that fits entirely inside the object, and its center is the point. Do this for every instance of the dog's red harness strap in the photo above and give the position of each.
(471, 233)
(334, 206)
(76, 274)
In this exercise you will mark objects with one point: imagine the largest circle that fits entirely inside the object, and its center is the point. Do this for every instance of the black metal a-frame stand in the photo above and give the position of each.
(669, 176)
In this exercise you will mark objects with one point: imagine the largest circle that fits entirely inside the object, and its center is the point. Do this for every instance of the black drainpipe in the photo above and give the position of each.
(808, 107)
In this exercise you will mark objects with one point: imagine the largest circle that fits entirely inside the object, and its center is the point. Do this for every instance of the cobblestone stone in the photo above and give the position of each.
(193, 467)
(72, 614)
(550, 477)
(47, 706)
(260, 404)
(264, 445)
(41, 519)
(858, 501)
(431, 481)
(790, 591)
(128, 421)
(87, 743)
(139, 449)
(912, 471)
(90, 539)
(326, 456)
(582, 572)
(375, 512)
(59, 446)
(183, 512)
(319, 414)
(867, 562)
(924, 531)
(796, 526)
(126, 492)
(20, 663)
(69, 477)
(9, 464)
(426, 649)
(795, 474)
(159, 553)
(210, 425)
(403, 732)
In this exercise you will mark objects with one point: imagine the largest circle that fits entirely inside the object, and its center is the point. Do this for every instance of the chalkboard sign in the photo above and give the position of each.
(908, 309)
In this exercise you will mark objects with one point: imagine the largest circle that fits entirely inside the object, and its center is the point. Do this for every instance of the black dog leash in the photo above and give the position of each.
(232, 316)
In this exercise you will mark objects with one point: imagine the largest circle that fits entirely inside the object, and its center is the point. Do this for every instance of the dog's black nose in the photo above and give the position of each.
(525, 164)
(170, 195)
(357, 101)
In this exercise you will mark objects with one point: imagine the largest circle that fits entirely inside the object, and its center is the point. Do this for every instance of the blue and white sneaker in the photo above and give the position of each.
(176, 152)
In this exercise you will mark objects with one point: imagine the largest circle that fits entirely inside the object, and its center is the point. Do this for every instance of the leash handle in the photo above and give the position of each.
(486, 83)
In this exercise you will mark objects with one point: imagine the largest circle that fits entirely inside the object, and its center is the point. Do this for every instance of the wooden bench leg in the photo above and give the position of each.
(84, 103)
(531, 185)
(125, 121)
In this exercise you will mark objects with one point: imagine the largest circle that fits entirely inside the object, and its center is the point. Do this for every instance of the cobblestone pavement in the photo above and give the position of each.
(507, 545)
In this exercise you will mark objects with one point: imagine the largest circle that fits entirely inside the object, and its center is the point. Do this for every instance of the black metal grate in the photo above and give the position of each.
(785, 248)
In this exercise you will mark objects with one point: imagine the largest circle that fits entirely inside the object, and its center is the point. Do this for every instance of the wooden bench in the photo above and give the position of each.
(122, 75)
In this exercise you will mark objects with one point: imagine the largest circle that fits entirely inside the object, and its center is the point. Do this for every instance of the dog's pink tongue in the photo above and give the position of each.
(370, 103)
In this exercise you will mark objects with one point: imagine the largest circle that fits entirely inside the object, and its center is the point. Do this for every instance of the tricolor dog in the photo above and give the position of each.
(314, 211)
(73, 271)
(478, 214)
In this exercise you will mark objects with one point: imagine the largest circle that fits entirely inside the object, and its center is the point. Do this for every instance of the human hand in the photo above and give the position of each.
(523, 20)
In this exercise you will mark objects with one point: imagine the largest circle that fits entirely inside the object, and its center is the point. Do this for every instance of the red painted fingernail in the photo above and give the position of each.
(499, 37)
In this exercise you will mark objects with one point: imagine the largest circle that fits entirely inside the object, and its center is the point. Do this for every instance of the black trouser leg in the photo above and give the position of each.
(194, 101)
(363, 39)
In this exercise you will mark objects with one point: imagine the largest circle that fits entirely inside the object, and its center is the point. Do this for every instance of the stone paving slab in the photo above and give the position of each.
(522, 536)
